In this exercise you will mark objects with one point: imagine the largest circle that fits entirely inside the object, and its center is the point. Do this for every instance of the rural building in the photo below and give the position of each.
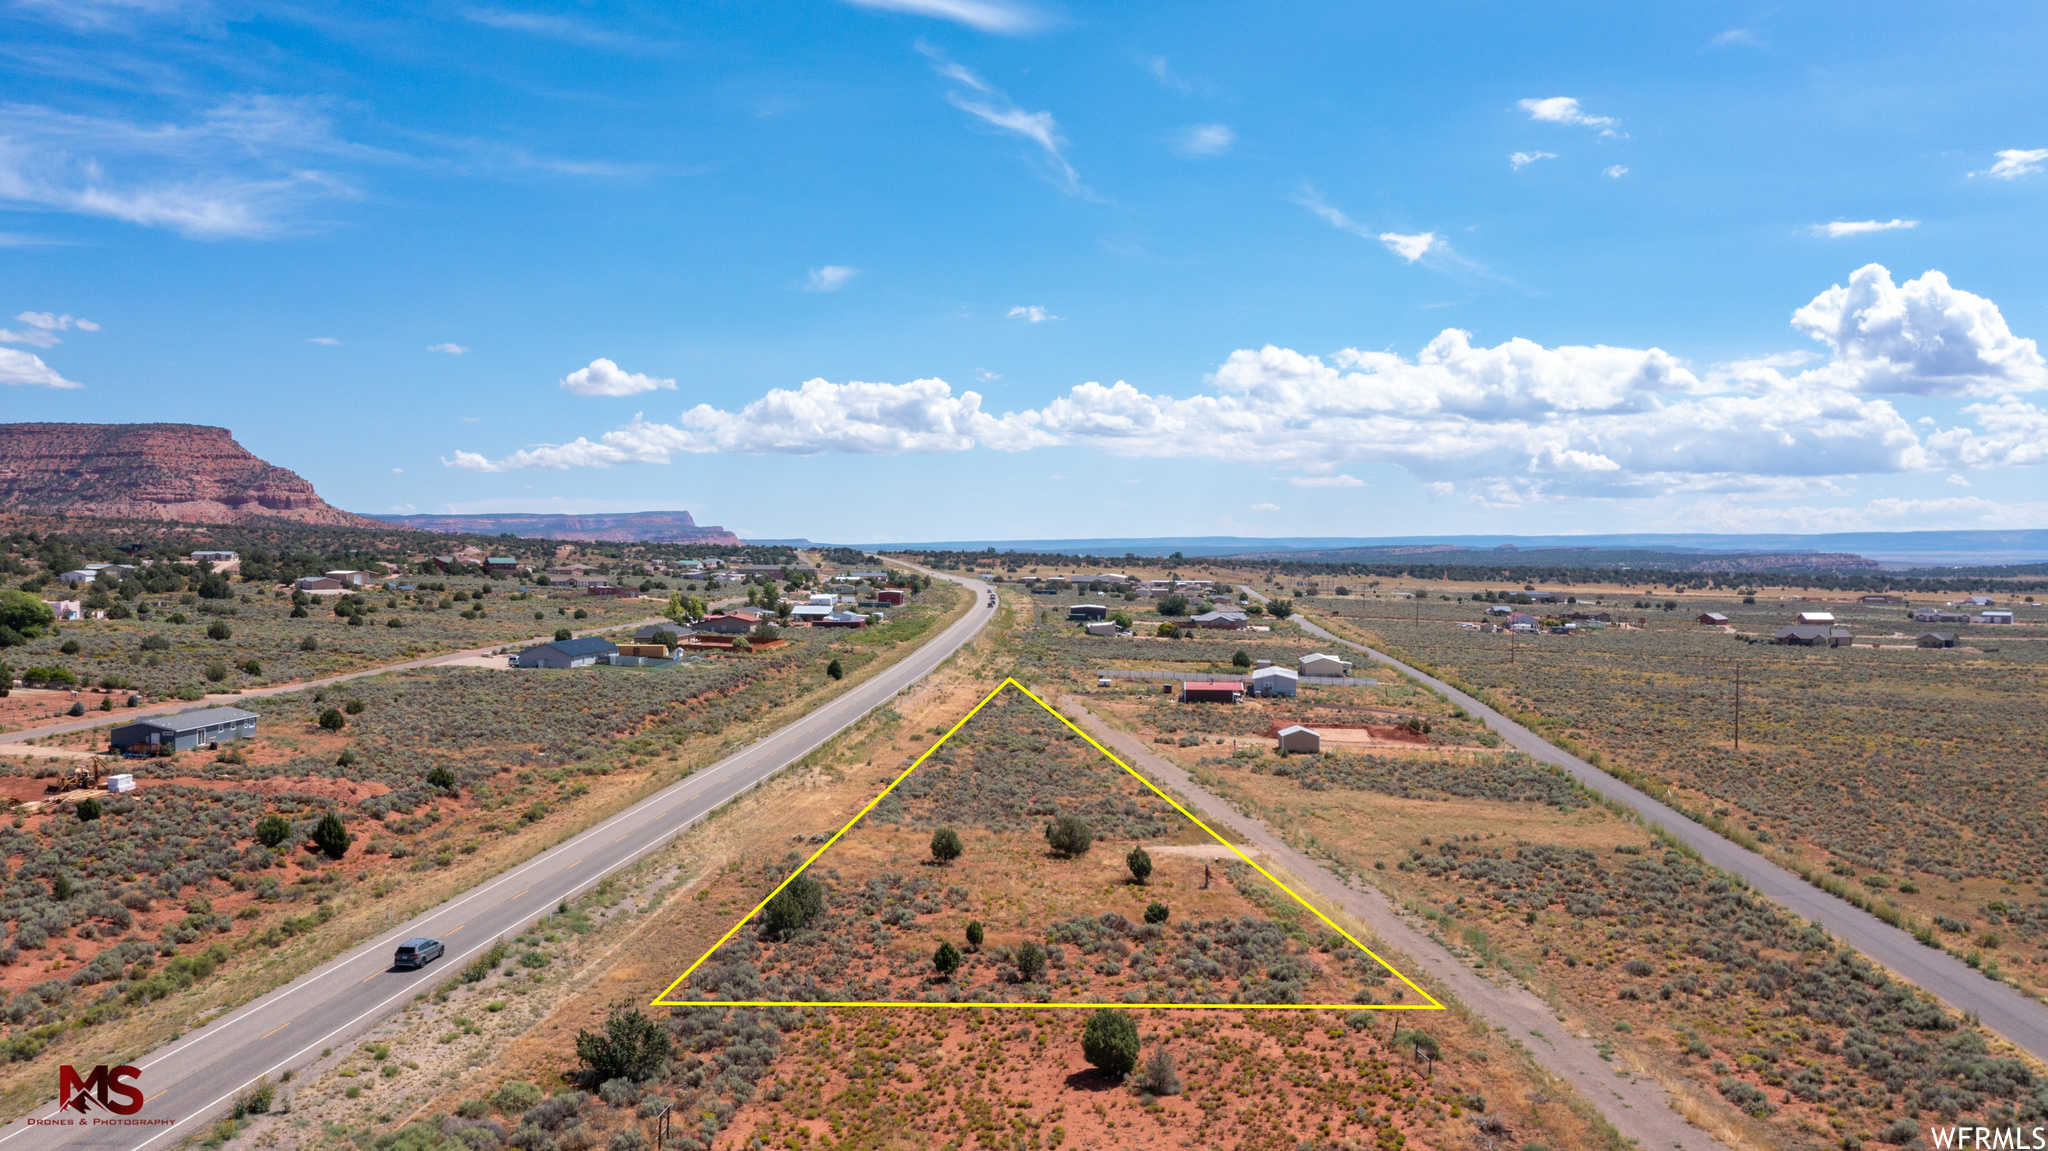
(79, 576)
(613, 592)
(185, 731)
(726, 624)
(1231, 620)
(1882, 599)
(1299, 738)
(1935, 615)
(217, 559)
(568, 653)
(663, 633)
(1979, 601)
(351, 578)
(644, 650)
(1500, 609)
(1713, 617)
(845, 619)
(1817, 618)
(892, 595)
(1812, 635)
(1994, 617)
(1102, 627)
(316, 585)
(500, 563)
(1316, 663)
(1212, 691)
(1936, 639)
(68, 608)
(1271, 681)
(1523, 622)
(810, 612)
(1087, 611)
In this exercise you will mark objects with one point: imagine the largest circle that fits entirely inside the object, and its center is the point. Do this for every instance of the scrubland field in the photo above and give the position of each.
(992, 1071)
(171, 653)
(1913, 780)
(212, 881)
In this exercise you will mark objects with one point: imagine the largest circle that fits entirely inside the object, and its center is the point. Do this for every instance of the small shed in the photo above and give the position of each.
(564, 653)
(847, 619)
(1817, 618)
(1212, 691)
(892, 595)
(186, 730)
(1102, 627)
(1713, 617)
(1087, 611)
(1299, 738)
(317, 584)
(1316, 663)
(1936, 639)
(1271, 681)
(1995, 617)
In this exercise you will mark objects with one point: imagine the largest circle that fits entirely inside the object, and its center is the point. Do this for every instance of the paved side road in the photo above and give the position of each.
(193, 1079)
(2019, 1019)
(1638, 1106)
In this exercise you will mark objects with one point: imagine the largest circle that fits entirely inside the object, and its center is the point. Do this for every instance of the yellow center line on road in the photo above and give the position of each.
(621, 838)
(371, 975)
(457, 928)
(275, 1030)
(523, 892)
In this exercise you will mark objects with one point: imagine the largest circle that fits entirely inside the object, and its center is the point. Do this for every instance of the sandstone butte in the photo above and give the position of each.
(181, 472)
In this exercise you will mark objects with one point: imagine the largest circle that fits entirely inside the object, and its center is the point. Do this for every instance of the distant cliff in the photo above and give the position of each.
(182, 472)
(625, 527)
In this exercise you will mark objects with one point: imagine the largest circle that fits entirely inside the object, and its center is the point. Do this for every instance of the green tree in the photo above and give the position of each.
(219, 629)
(25, 614)
(1281, 608)
(946, 959)
(834, 670)
(1168, 631)
(1175, 604)
(793, 908)
(1241, 659)
(562, 634)
(273, 829)
(1157, 912)
(1069, 836)
(1139, 863)
(631, 1046)
(1110, 1041)
(353, 707)
(974, 934)
(946, 845)
(1122, 619)
(61, 888)
(1030, 959)
(331, 837)
(333, 720)
(442, 778)
(88, 809)
(310, 643)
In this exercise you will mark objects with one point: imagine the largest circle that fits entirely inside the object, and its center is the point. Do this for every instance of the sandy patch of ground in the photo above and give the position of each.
(35, 706)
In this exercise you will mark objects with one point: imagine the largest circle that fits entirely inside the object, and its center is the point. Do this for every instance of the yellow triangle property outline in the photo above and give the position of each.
(663, 999)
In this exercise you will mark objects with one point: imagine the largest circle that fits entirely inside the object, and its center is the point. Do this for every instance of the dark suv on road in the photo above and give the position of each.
(417, 952)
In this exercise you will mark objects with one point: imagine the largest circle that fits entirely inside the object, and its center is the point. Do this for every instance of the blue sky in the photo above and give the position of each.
(925, 269)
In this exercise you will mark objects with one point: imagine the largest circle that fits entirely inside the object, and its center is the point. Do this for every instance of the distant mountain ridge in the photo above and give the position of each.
(1846, 549)
(187, 473)
(621, 527)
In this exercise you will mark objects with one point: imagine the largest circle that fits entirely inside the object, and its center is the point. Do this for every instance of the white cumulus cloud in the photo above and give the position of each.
(1519, 160)
(1922, 337)
(1614, 171)
(26, 369)
(1409, 248)
(1031, 313)
(830, 278)
(1508, 424)
(448, 349)
(1265, 507)
(1836, 229)
(1565, 110)
(605, 378)
(43, 328)
(2016, 162)
(1207, 140)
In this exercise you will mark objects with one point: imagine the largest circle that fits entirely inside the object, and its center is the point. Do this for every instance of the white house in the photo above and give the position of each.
(1274, 681)
(1299, 738)
(1817, 619)
(1316, 663)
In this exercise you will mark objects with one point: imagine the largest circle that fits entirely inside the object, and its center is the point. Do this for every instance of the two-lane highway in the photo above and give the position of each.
(193, 1079)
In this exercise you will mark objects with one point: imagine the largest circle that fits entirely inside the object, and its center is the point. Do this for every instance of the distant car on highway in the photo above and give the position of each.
(417, 952)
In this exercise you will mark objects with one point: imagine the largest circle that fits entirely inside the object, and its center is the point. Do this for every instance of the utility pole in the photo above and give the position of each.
(1738, 707)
